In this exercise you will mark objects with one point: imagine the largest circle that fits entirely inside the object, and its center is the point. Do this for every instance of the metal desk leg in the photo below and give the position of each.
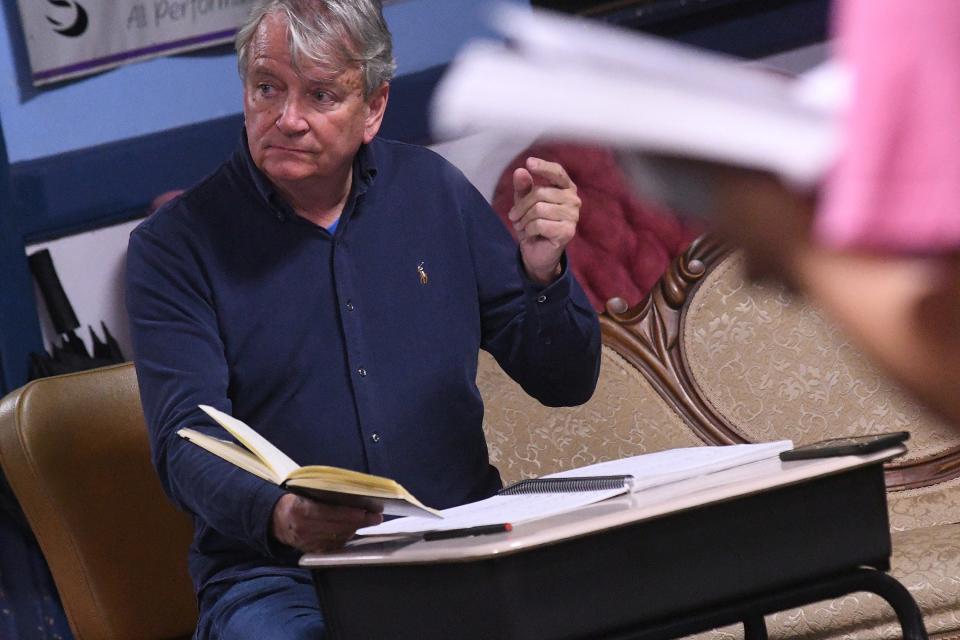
(888, 588)
(869, 580)
(750, 611)
(755, 628)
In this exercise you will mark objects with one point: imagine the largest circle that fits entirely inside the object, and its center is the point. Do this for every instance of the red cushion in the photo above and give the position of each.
(623, 245)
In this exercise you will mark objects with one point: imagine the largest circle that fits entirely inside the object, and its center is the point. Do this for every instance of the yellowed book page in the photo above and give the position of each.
(338, 478)
(278, 461)
(266, 458)
(381, 488)
(397, 501)
(231, 452)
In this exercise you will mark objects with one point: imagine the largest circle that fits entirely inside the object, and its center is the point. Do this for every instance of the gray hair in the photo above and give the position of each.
(336, 34)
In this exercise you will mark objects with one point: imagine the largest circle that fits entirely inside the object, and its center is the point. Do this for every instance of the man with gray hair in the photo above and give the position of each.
(332, 289)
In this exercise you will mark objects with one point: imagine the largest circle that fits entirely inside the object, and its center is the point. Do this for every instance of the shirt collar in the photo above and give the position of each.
(364, 172)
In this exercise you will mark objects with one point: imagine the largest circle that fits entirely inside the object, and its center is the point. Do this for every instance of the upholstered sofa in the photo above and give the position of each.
(708, 358)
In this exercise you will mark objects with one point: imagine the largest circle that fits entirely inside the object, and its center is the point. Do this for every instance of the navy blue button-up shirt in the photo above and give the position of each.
(356, 349)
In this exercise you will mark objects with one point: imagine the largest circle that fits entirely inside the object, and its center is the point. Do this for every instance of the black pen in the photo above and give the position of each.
(468, 531)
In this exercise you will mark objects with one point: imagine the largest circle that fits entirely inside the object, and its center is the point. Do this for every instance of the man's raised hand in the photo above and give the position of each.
(545, 213)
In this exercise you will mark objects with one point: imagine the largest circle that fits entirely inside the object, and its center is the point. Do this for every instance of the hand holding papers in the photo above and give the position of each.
(650, 470)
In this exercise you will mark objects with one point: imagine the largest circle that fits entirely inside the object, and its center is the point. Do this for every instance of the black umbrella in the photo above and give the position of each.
(70, 354)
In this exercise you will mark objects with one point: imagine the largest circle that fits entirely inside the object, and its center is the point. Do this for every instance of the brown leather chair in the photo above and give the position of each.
(74, 448)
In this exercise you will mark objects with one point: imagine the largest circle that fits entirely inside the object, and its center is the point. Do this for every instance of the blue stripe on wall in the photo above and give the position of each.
(19, 324)
(93, 187)
(102, 185)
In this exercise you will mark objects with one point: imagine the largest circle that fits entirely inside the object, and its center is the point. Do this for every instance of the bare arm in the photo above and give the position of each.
(903, 311)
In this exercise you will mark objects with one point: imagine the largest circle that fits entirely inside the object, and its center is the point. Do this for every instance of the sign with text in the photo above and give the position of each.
(71, 38)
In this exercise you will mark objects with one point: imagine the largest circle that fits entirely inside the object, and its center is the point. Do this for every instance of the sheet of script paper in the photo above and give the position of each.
(648, 470)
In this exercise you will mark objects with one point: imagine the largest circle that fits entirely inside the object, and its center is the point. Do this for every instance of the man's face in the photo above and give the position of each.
(306, 124)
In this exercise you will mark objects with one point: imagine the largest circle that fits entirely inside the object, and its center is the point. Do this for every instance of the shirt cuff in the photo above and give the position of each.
(547, 298)
(260, 517)
(548, 301)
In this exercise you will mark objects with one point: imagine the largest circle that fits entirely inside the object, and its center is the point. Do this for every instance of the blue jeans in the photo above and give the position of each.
(269, 607)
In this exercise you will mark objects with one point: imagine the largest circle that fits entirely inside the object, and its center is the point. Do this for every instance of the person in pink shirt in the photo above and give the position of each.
(879, 246)
(896, 187)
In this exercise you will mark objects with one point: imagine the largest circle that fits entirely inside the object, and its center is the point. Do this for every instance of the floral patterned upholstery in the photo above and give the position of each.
(765, 366)
(775, 368)
(624, 418)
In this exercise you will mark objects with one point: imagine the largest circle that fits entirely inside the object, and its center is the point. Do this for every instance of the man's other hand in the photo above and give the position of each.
(769, 221)
(545, 212)
(313, 526)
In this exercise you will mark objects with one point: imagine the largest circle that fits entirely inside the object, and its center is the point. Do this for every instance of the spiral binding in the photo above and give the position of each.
(566, 485)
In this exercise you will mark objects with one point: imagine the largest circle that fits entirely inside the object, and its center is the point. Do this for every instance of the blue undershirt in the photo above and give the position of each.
(354, 346)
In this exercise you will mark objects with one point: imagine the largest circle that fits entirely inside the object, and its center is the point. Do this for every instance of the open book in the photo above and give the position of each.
(579, 80)
(329, 484)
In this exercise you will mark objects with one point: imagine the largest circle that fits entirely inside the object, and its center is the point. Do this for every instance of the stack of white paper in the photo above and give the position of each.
(649, 470)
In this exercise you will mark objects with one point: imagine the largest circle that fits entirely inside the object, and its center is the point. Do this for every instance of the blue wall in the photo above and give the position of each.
(94, 151)
(167, 93)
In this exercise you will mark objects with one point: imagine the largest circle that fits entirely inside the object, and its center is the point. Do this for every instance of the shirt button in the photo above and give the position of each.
(375, 437)
(362, 372)
(349, 306)
(542, 298)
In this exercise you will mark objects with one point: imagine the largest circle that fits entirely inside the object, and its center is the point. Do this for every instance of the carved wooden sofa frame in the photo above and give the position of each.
(708, 358)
